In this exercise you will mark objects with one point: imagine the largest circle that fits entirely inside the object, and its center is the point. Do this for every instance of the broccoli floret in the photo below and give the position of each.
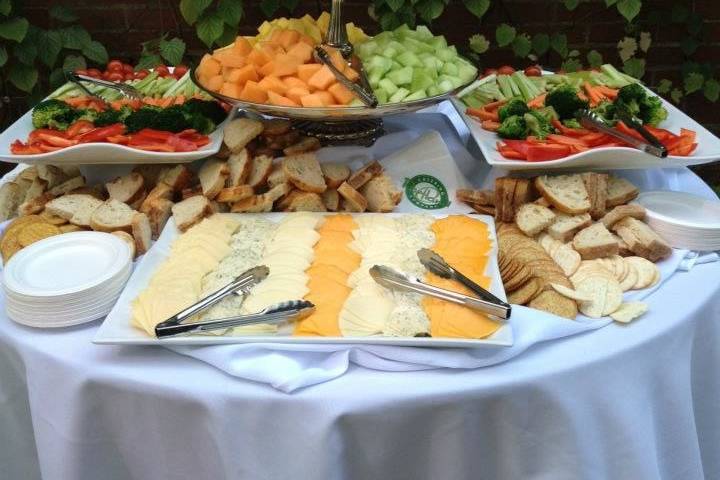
(606, 112)
(572, 123)
(652, 112)
(516, 106)
(170, 119)
(538, 124)
(634, 100)
(53, 114)
(564, 99)
(202, 124)
(513, 127)
(210, 109)
(89, 114)
(110, 116)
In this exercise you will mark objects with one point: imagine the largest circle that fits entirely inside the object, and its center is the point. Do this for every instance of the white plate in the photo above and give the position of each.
(682, 209)
(66, 264)
(616, 158)
(117, 330)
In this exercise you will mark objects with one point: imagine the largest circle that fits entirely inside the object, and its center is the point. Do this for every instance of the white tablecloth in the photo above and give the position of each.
(640, 401)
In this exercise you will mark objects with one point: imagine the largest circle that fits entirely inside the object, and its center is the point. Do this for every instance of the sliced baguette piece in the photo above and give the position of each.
(260, 170)
(565, 226)
(263, 202)
(362, 176)
(634, 210)
(533, 219)
(161, 190)
(10, 199)
(381, 194)
(150, 173)
(51, 174)
(353, 200)
(239, 132)
(141, 232)
(240, 164)
(508, 199)
(234, 194)
(36, 205)
(36, 188)
(523, 193)
(624, 249)
(96, 191)
(596, 186)
(68, 186)
(595, 241)
(277, 176)
(307, 202)
(498, 201)
(303, 145)
(567, 193)
(127, 238)
(213, 175)
(283, 203)
(641, 239)
(304, 172)
(126, 189)
(331, 199)
(30, 173)
(77, 208)
(158, 211)
(542, 201)
(191, 211)
(620, 191)
(112, 215)
(335, 173)
(476, 197)
(190, 192)
(70, 171)
(178, 177)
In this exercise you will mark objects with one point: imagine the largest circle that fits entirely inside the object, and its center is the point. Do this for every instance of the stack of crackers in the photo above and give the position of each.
(24, 231)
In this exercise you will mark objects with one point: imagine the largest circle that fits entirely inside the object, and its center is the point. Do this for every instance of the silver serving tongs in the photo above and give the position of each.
(394, 280)
(437, 265)
(590, 120)
(127, 91)
(365, 95)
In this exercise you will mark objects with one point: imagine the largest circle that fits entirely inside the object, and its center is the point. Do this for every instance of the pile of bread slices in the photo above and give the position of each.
(572, 242)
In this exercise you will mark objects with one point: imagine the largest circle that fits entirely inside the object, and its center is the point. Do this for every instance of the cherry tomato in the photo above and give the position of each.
(80, 71)
(94, 72)
(506, 70)
(180, 70)
(162, 70)
(127, 68)
(489, 71)
(116, 77)
(141, 74)
(533, 71)
(115, 66)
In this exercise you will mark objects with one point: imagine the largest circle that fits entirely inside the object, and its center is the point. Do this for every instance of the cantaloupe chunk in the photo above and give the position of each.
(294, 82)
(232, 90)
(307, 71)
(258, 57)
(296, 93)
(307, 40)
(302, 51)
(286, 65)
(227, 72)
(275, 37)
(209, 67)
(271, 49)
(337, 59)
(322, 79)
(313, 101)
(288, 38)
(351, 74)
(229, 58)
(341, 94)
(253, 93)
(215, 83)
(247, 73)
(326, 97)
(242, 46)
(273, 84)
(267, 69)
(275, 99)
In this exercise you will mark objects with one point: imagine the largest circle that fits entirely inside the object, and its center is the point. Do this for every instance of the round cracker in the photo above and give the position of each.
(605, 292)
(525, 293)
(70, 228)
(9, 246)
(17, 223)
(567, 259)
(630, 279)
(629, 311)
(570, 293)
(33, 232)
(645, 270)
(48, 217)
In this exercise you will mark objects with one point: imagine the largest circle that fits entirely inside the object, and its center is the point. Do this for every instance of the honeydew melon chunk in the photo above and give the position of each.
(417, 45)
(444, 86)
(446, 54)
(454, 81)
(418, 95)
(450, 69)
(423, 32)
(402, 30)
(421, 80)
(409, 59)
(396, 45)
(396, 65)
(466, 72)
(368, 48)
(399, 96)
(438, 42)
(402, 76)
(356, 102)
(389, 52)
(388, 86)
(374, 76)
(433, 90)
(379, 63)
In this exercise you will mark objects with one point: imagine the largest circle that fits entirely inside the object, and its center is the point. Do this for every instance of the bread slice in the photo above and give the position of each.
(178, 177)
(68, 186)
(51, 174)
(641, 239)
(263, 202)
(234, 194)
(304, 172)
(240, 165)
(30, 173)
(77, 208)
(303, 145)
(161, 190)
(362, 176)
(260, 170)
(283, 203)
(127, 238)
(565, 226)
(239, 132)
(96, 191)
(307, 202)
(353, 200)
(150, 173)
(331, 199)
(212, 176)
(275, 126)
(595, 241)
(567, 193)
(542, 201)
(141, 232)
(596, 186)
(70, 171)
(277, 176)
(498, 201)
(191, 211)
(158, 211)
(191, 192)
(112, 215)
(36, 188)
(36, 205)
(475, 197)
(523, 193)
(127, 188)
(621, 211)
(620, 191)
(335, 173)
(623, 248)
(533, 219)
(381, 194)
(10, 199)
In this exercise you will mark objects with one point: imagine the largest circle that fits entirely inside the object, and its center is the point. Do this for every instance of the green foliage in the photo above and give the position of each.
(216, 21)
(161, 51)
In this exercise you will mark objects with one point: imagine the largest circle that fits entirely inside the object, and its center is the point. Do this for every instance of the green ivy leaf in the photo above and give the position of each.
(571, 65)
(627, 48)
(231, 11)
(62, 13)
(172, 50)
(24, 77)
(505, 34)
(645, 41)
(148, 61)
(95, 51)
(574, 53)
(394, 5)
(56, 78)
(478, 43)
(192, 9)
(558, 42)
(635, 67)
(388, 21)
(14, 29)
(541, 43)
(664, 86)
(571, 4)
(679, 13)
(74, 62)
(26, 52)
(629, 8)
(228, 36)
(521, 45)
(269, 7)
(50, 43)
(693, 82)
(477, 7)
(3, 56)
(429, 10)
(676, 95)
(209, 29)
(5, 7)
(594, 58)
(712, 90)
(610, 3)
(75, 37)
(689, 45)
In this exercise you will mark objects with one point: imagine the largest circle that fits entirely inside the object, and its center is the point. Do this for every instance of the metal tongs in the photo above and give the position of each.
(394, 280)
(127, 91)
(589, 119)
(284, 311)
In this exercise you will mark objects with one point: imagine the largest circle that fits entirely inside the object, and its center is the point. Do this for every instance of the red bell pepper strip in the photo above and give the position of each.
(56, 141)
(570, 132)
(156, 147)
(181, 145)
(101, 134)
(49, 148)
(119, 139)
(551, 151)
(34, 135)
(520, 146)
(490, 125)
(565, 140)
(153, 134)
(79, 127)
(20, 148)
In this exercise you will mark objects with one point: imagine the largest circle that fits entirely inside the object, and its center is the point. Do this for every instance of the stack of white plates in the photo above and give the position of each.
(66, 280)
(683, 220)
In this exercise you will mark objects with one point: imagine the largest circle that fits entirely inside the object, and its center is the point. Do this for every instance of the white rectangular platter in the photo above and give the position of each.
(609, 158)
(117, 329)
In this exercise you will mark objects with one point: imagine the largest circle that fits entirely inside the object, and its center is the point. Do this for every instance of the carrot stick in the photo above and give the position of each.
(537, 102)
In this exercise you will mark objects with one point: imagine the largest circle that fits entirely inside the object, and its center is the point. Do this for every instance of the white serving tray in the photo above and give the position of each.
(609, 158)
(117, 330)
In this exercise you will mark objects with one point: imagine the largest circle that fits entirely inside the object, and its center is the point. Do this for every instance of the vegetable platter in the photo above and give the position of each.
(538, 138)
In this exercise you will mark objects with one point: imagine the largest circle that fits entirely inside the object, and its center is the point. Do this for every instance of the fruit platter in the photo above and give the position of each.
(528, 120)
(278, 73)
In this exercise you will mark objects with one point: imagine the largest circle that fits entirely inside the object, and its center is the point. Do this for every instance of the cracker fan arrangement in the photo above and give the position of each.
(572, 242)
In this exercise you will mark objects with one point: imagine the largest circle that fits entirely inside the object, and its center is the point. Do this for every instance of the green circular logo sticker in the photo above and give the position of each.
(426, 191)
